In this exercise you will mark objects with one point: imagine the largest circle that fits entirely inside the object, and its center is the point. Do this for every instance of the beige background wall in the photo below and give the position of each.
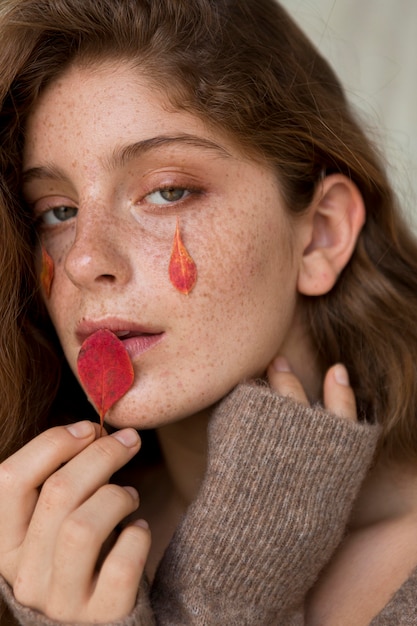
(372, 44)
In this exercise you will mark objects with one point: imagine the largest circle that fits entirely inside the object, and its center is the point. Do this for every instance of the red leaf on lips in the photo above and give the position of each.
(105, 370)
(182, 269)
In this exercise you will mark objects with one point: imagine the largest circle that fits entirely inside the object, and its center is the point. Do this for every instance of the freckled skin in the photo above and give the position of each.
(111, 260)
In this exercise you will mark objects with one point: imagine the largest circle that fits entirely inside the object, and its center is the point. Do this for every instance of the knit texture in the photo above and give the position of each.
(279, 487)
(402, 609)
(280, 484)
(142, 614)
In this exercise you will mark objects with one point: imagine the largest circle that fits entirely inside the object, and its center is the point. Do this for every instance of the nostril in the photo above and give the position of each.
(106, 278)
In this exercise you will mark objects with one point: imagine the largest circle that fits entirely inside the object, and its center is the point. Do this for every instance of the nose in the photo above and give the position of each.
(97, 256)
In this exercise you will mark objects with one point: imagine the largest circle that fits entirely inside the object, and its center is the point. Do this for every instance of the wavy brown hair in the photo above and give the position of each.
(245, 67)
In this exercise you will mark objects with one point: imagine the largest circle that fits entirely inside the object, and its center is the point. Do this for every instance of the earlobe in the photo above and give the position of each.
(335, 219)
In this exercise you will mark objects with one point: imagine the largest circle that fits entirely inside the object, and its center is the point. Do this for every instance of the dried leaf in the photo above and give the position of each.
(105, 370)
(47, 272)
(182, 269)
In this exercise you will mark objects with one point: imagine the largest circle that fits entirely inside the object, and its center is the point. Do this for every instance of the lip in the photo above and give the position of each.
(138, 344)
(135, 337)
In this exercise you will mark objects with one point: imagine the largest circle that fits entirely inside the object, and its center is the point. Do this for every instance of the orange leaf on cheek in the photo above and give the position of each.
(105, 370)
(182, 269)
(47, 272)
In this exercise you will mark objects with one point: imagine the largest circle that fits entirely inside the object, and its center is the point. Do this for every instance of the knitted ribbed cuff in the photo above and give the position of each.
(280, 483)
(140, 616)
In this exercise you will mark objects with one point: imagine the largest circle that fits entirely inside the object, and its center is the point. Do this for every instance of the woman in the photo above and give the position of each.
(134, 132)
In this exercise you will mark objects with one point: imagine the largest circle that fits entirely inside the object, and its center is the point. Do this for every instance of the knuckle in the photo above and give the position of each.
(55, 490)
(124, 568)
(25, 592)
(58, 611)
(105, 448)
(118, 498)
(77, 531)
(52, 440)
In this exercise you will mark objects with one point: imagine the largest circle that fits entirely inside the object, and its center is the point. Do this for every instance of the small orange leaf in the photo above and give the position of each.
(182, 269)
(47, 272)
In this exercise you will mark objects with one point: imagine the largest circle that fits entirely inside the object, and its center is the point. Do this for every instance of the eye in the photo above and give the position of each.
(167, 195)
(57, 215)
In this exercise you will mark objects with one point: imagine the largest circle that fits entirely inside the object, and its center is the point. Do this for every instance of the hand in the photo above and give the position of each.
(338, 396)
(56, 512)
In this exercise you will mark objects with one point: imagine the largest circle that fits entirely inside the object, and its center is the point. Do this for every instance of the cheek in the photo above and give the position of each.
(237, 318)
(240, 258)
(58, 244)
(62, 295)
(247, 294)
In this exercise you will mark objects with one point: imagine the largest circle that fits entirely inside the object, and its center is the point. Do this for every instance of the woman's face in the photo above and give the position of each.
(109, 167)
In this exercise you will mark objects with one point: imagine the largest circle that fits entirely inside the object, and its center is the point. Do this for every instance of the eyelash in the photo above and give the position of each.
(189, 191)
(40, 222)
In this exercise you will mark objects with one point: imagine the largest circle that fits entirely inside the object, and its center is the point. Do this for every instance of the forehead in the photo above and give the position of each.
(97, 120)
(106, 103)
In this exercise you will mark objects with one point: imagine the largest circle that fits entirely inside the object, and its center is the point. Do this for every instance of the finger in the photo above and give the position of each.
(70, 486)
(122, 571)
(31, 465)
(23, 472)
(338, 395)
(78, 479)
(79, 545)
(284, 382)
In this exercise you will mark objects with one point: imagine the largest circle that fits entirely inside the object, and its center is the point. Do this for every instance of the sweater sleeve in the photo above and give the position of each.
(141, 615)
(279, 487)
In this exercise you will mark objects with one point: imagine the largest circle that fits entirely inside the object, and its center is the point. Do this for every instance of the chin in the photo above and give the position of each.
(158, 409)
(127, 416)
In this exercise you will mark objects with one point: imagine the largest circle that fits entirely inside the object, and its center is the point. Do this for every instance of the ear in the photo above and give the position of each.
(334, 221)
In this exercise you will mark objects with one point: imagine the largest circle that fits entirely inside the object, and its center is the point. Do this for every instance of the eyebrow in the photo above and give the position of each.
(123, 155)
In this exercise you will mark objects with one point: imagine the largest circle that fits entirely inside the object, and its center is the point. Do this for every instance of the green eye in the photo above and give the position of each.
(167, 195)
(172, 194)
(59, 214)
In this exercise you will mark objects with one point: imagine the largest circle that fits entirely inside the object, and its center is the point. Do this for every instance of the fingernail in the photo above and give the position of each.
(141, 523)
(128, 437)
(133, 492)
(281, 364)
(80, 430)
(341, 375)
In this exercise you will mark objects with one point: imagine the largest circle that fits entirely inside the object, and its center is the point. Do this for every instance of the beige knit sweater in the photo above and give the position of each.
(279, 487)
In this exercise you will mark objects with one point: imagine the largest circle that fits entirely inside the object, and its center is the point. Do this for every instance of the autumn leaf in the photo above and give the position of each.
(105, 370)
(47, 272)
(182, 269)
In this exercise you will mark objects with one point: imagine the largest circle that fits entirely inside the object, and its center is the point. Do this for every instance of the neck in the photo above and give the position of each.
(389, 492)
(184, 447)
